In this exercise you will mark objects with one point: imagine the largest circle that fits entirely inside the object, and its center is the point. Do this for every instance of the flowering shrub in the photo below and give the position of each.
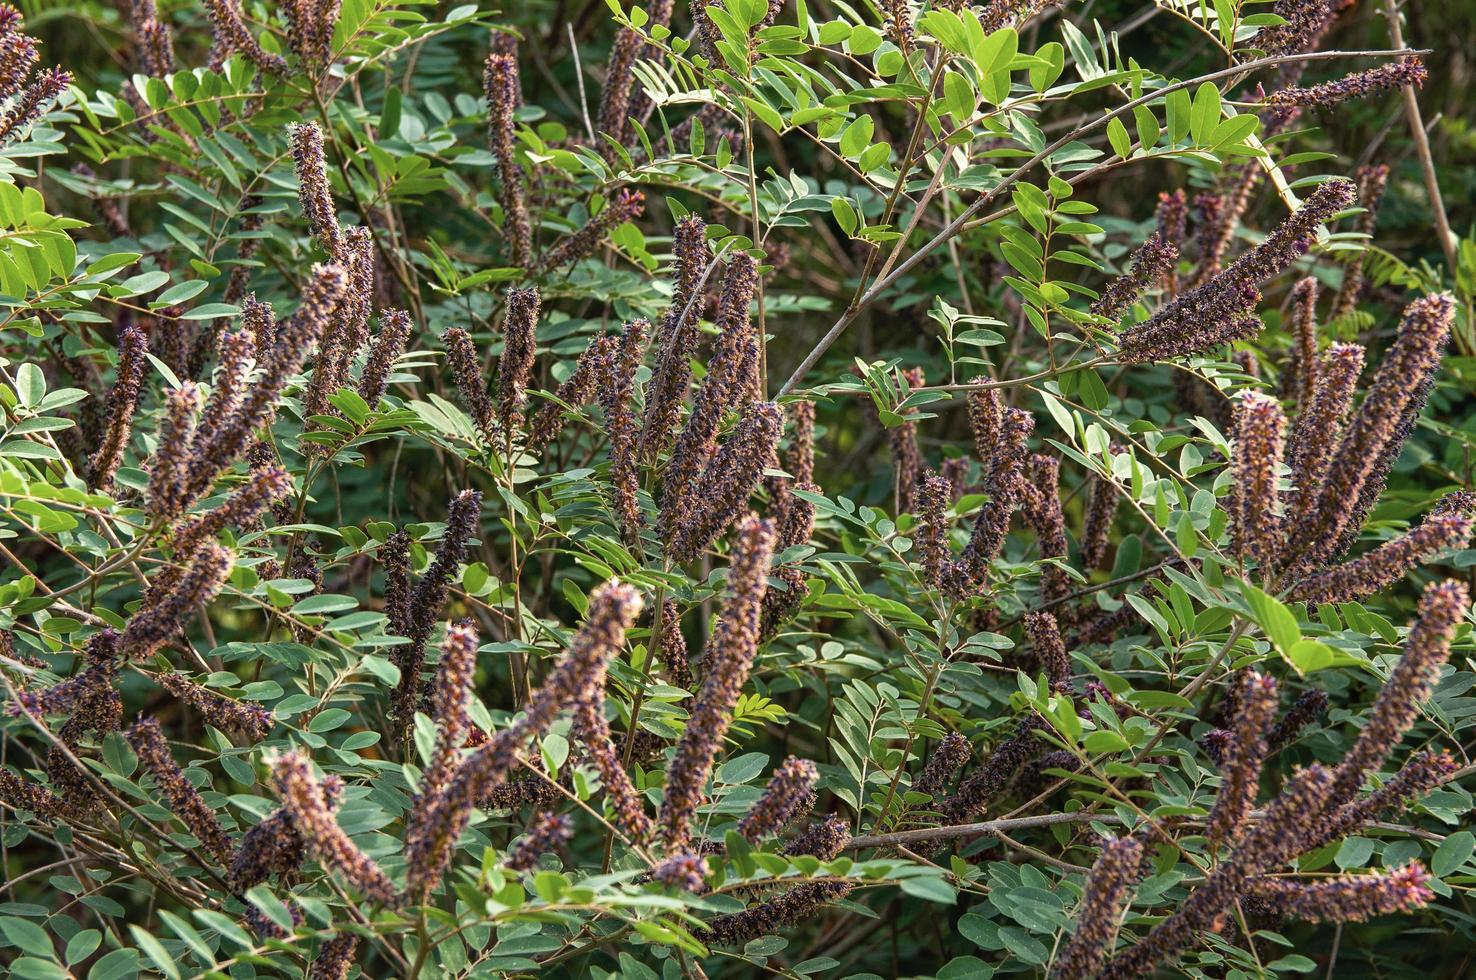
(481, 494)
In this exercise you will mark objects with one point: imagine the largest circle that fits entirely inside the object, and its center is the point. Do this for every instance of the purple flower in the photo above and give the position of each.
(547, 832)
(303, 797)
(684, 871)
(627, 206)
(504, 95)
(1106, 893)
(617, 396)
(678, 335)
(1255, 525)
(246, 718)
(133, 347)
(386, 348)
(186, 802)
(1242, 757)
(1350, 898)
(729, 657)
(1397, 74)
(229, 29)
(951, 754)
(790, 791)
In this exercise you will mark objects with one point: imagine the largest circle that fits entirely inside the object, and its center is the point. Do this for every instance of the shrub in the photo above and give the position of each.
(483, 495)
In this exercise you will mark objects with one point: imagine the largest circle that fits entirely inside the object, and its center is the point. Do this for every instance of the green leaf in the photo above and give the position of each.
(1205, 115)
(1117, 135)
(28, 936)
(1275, 620)
(1452, 853)
(930, 889)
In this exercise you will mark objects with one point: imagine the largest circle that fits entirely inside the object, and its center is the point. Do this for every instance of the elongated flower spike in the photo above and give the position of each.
(674, 654)
(164, 613)
(727, 481)
(1443, 607)
(1104, 896)
(451, 698)
(1350, 898)
(800, 902)
(168, 493)
(730, 655)
(1256, 527)
(796, 524)
(1172, 220)
(422, 606)
(388, 345)
(613, 121)
(466, 369)
(1315, 434)
(547, 832)
(824, 839)
(677, 337)
(519, 348)
(790, 791)
(246, 718)
(1300, 381)
(428, 844)
(504, 95)
(313, 191)
(310, 31)
(684, 871)
(133, 347)
(149, 744)
(228, 25)
(236, 352)
(1387, 563)
(1425, 771)
(33, 102)
(1050, 649)
(951, 754)
(719, 392)
(1217, 311)
(617, 394)
(906, 460)
(1242, 757)
(1307, 708)
(1102, 502)
(1042, 511)
(1150, 263)
(593, 732)
(304, 798)
(994, 775)
(1372, 179)
(1376, 434)
(577, 389)
(335, 958)
(627, 206)
(1358, 85)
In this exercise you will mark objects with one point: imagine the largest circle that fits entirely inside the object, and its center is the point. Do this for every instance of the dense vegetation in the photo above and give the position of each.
(754, 488)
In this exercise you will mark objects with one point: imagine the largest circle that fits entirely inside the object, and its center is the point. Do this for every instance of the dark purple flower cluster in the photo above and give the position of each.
(592, 730)
(1371, 178)
(245, 718)
(684, 871)
(1242, 756)
(148, 743)
(1105, 894)
(823, 839)
(504, 94)
(1219, 309)
(548, 831)
(617, 397)
(627, 206)
(951, 755)
(133, 348)
(313, 189)
(577, 389)
(1396, 74)
(466, 369)
(728, 478)
(335, 957)
(729, 657)
(305, 799)
(1299, 381)
(1150, 263)
(1041, 507)
(228, 26)
(1351, 898)
(310, 31)
(167, 610)
(678, 335)
(791, 791)
(430, 839)
(995, 775)
(414, 612)
(1050, 649)
(1356, 470)
(386, 348)
(519, 348)
(1255, 523)
(800, 902)
(613, 123)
